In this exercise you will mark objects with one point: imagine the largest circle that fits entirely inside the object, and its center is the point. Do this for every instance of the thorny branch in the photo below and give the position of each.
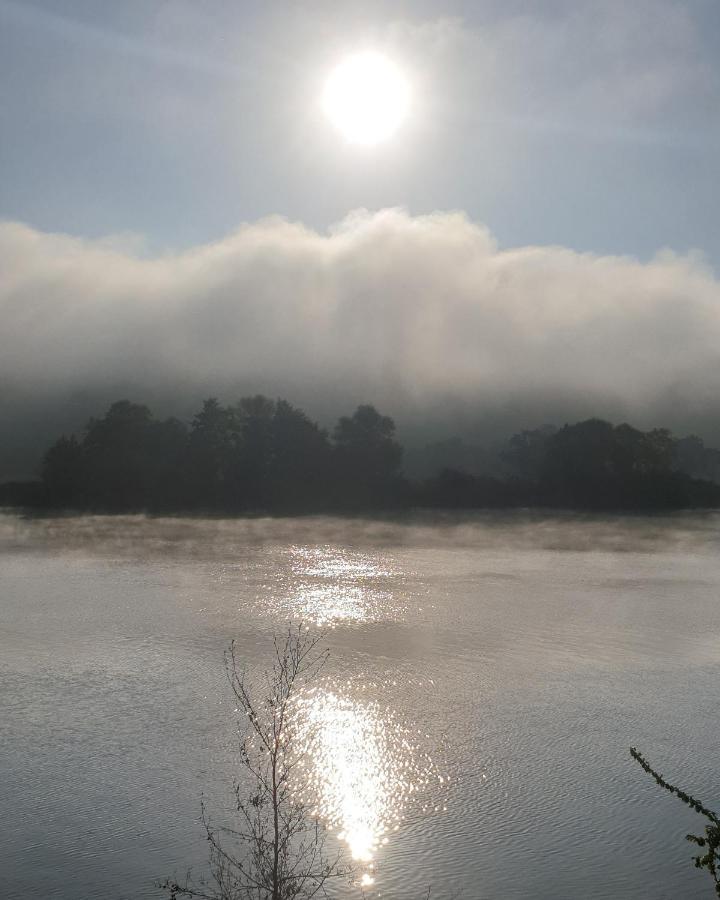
(709, 860)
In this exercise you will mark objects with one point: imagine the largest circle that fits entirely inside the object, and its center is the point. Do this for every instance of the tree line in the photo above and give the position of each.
(594, 464)
(254, 455)
(263, 455)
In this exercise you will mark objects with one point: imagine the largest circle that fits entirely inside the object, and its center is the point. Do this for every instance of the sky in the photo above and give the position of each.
(176, 210)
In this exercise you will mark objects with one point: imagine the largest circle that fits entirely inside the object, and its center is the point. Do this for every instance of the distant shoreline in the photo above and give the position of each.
(427, 513)
(261, 456)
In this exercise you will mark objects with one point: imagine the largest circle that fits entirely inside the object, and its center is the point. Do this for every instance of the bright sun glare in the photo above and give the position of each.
(366, 97)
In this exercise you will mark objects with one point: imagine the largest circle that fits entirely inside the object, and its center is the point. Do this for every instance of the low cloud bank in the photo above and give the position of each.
(415, 314)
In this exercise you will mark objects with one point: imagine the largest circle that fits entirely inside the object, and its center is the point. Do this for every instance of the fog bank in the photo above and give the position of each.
(425, 316)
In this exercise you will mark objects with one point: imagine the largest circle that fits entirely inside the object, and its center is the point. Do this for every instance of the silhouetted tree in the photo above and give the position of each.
(300, 460)
(594, 464)
(526, 452)
(166, 465)
(690, 455)
(368, 457)
(252, 457)
(453, 489)
(641, 453)
(127, 460)
(262, 454)
(211, 444)
(116, 457)
(275, 848)
(257, 454)
(64, 473)
(578, 463)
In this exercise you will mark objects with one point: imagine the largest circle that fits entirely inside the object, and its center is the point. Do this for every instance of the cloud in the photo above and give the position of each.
(412, 313)
(639, 71)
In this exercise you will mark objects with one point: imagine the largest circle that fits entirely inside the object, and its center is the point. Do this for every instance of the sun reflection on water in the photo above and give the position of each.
(362, 768)
(336, 562)
(333, 585)
(327, 605)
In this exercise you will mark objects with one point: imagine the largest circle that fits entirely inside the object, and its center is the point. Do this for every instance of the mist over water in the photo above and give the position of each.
(487, 676)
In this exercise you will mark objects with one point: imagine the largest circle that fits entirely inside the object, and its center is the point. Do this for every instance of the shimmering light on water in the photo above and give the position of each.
(334, 563)
(339, 586)
(365, 769)
(328, 605)
(531, 651)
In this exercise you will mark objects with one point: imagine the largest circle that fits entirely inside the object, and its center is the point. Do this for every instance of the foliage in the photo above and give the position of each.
(526, 451)
(126, 460)
(710, 843)
(63, 471)
(368, 457)
(596, 465)
(266, 455)
(692, 456)
(453, 489)
(276, 849)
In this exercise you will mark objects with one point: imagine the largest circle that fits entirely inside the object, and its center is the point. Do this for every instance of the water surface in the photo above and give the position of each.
(470, 733)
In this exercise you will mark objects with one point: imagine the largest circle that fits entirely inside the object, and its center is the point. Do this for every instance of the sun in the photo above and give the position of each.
(367, 98)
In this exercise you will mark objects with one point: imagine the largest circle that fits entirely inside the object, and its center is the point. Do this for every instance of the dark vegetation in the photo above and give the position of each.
(262, 455)
(709, 843)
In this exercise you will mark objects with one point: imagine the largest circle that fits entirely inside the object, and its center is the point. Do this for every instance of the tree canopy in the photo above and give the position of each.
(256, 454)
(260, 454)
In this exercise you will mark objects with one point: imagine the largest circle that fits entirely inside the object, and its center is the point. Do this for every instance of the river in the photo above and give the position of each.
(487, 675)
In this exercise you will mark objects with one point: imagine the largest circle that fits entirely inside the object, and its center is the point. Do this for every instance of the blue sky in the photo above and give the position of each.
(540, 241)
(590, 125)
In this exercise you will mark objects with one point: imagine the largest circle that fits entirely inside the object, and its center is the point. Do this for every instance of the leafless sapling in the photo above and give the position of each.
(276, 847)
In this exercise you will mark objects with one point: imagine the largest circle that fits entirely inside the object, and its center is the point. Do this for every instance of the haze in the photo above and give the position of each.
(359, 448)
(536, 243)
